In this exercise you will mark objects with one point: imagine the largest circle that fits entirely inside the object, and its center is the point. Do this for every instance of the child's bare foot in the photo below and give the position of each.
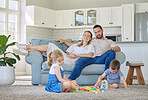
(128, 88)
(114, 85)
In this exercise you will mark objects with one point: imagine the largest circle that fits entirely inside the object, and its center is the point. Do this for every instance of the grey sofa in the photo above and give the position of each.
(40, 69)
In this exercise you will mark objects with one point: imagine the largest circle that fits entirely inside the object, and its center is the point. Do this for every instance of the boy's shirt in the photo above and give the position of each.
(113, 78)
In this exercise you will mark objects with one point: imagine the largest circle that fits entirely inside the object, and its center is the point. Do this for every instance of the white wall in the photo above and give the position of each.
(38, 33)
(135, 52)
(20, 66)
(74, 34)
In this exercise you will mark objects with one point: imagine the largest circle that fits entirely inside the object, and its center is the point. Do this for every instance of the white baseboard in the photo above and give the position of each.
(20, 73)
(28, 73)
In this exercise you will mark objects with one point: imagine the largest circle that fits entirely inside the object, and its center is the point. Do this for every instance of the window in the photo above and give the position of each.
(10, 18)
(13, 5)
(2, 3)
(2, 23)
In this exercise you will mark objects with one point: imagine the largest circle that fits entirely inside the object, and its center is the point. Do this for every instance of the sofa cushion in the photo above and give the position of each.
(120, 56)
(44, 42)
(45, 66)
(62, 46)
(91, 69)
(94, 69)
(65, 47)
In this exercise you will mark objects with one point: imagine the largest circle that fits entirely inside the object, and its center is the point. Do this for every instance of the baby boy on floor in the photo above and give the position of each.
(113, 76)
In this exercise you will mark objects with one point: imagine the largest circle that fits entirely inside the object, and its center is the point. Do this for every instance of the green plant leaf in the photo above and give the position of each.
(2, 58)
(2, 63)
(11, 44)
(3, 42)
(17, 56)
(4, 39)
(6, 46)
(10, 61)
(3, 47)
(2, 50)
(10, 64)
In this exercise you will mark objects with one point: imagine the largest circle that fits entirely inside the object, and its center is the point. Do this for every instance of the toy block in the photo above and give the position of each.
(102, 90)
(88, 88)
(72, 90)
(80, 91)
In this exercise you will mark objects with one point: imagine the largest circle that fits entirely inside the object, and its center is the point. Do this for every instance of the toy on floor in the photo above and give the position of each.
(89, 89)
(99, 89)
(104, 84)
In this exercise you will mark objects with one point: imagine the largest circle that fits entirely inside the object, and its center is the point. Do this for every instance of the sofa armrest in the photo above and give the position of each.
(120, 56)
(35, 58)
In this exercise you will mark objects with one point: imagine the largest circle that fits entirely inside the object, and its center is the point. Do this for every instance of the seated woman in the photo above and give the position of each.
(83, 49)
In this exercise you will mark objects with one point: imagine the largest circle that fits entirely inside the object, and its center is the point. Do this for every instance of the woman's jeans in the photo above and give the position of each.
(82, 62)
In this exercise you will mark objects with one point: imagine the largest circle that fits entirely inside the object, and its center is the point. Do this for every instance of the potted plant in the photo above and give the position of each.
(7, 73)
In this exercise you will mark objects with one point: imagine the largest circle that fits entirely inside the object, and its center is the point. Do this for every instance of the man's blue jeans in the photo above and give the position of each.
(82, 62)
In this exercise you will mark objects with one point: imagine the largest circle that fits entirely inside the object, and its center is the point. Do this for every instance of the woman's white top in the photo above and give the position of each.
(81, 50)
(52, 70)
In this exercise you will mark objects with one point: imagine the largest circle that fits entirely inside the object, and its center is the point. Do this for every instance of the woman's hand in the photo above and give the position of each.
(60, 41)
(71, 55)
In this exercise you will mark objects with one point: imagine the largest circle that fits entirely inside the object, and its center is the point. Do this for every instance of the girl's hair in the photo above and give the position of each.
(56, 55)
(79, 45)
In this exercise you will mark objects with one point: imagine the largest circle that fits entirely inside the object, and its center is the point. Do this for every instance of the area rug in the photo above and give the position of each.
(29, 92)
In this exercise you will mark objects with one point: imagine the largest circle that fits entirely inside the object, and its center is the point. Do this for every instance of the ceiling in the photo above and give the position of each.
(77, 4)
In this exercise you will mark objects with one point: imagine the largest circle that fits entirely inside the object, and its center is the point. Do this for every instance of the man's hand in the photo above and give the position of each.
(112, 48)
(60, 41)
(116, 48)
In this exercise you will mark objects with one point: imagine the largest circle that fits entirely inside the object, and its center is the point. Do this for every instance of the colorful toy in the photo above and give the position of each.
(89, 89)
(102, 90)
(82, 88)
(98, 90)
(72, 90)
(80, 91)
(77, 88)
(104, 84)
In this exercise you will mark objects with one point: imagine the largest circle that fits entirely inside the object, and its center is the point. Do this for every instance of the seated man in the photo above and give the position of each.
(104, 52)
